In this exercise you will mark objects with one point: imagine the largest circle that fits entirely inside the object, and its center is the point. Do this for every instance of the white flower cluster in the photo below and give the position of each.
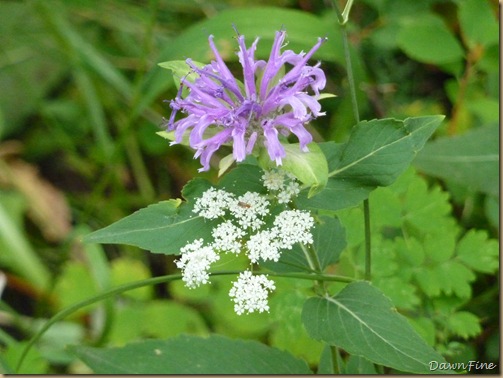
(283, 183)
(250, 293)
(242, 229)
(195, 262)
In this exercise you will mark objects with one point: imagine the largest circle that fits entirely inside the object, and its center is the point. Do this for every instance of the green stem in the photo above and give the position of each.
(154, 281)
(343, 19)
(368, 245)
(335, 359)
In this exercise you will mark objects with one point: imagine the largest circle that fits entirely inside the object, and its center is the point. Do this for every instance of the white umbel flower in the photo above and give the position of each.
(195, 262)
(294, 226)
(292, 189)
(213, 203)
(250, 293)
(283, 183)
(227, 237)
(273, 179)
(249, 209)
(263, 245)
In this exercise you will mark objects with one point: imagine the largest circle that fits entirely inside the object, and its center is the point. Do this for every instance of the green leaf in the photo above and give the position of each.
(303, 30)
(17, 252)
(156, 319)
(478, 22)
(417, 34)
(376, 153)
(288, 333)
(310, 168)
(244, 178)
(471, 159)
(363, 322)
(464, 324)
(164, 227)
(336, 195)
(359, 365)
(191, 355)
(477, 252)
(432, 280)
(74, 285)
(34, 361)
(181, 70)
(125, 270)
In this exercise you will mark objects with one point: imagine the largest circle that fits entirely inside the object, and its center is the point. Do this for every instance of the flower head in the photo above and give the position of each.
(195, 262)
(265, 106)
(250, 293)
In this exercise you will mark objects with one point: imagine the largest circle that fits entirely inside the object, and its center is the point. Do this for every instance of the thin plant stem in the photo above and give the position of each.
(343, 18)
(334, 351)
(154, 281)
(368, 243)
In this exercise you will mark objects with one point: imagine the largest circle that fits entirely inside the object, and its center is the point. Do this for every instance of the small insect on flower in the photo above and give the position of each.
(271, 101)
(244, 205)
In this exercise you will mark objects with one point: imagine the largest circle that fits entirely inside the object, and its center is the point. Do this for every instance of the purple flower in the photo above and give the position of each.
(268, 103)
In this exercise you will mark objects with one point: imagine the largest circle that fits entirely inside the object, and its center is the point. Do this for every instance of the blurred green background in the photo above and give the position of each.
(82, 97)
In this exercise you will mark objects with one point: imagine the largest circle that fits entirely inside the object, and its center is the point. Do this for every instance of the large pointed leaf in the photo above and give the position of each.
(191, 355)
(160, 228)
(363, 322)
(376, 153)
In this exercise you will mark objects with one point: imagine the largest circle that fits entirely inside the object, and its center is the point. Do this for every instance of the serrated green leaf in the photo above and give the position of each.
(426, 210)
(362, 321)
(478, 252)
(191, 355)
(464, 324)
(449, 277)
(402, 293)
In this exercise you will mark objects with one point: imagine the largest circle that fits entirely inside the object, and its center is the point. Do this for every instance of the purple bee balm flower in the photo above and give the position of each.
(268, 103)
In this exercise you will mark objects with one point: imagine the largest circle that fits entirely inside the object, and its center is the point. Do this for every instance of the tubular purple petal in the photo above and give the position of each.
(268, 105)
